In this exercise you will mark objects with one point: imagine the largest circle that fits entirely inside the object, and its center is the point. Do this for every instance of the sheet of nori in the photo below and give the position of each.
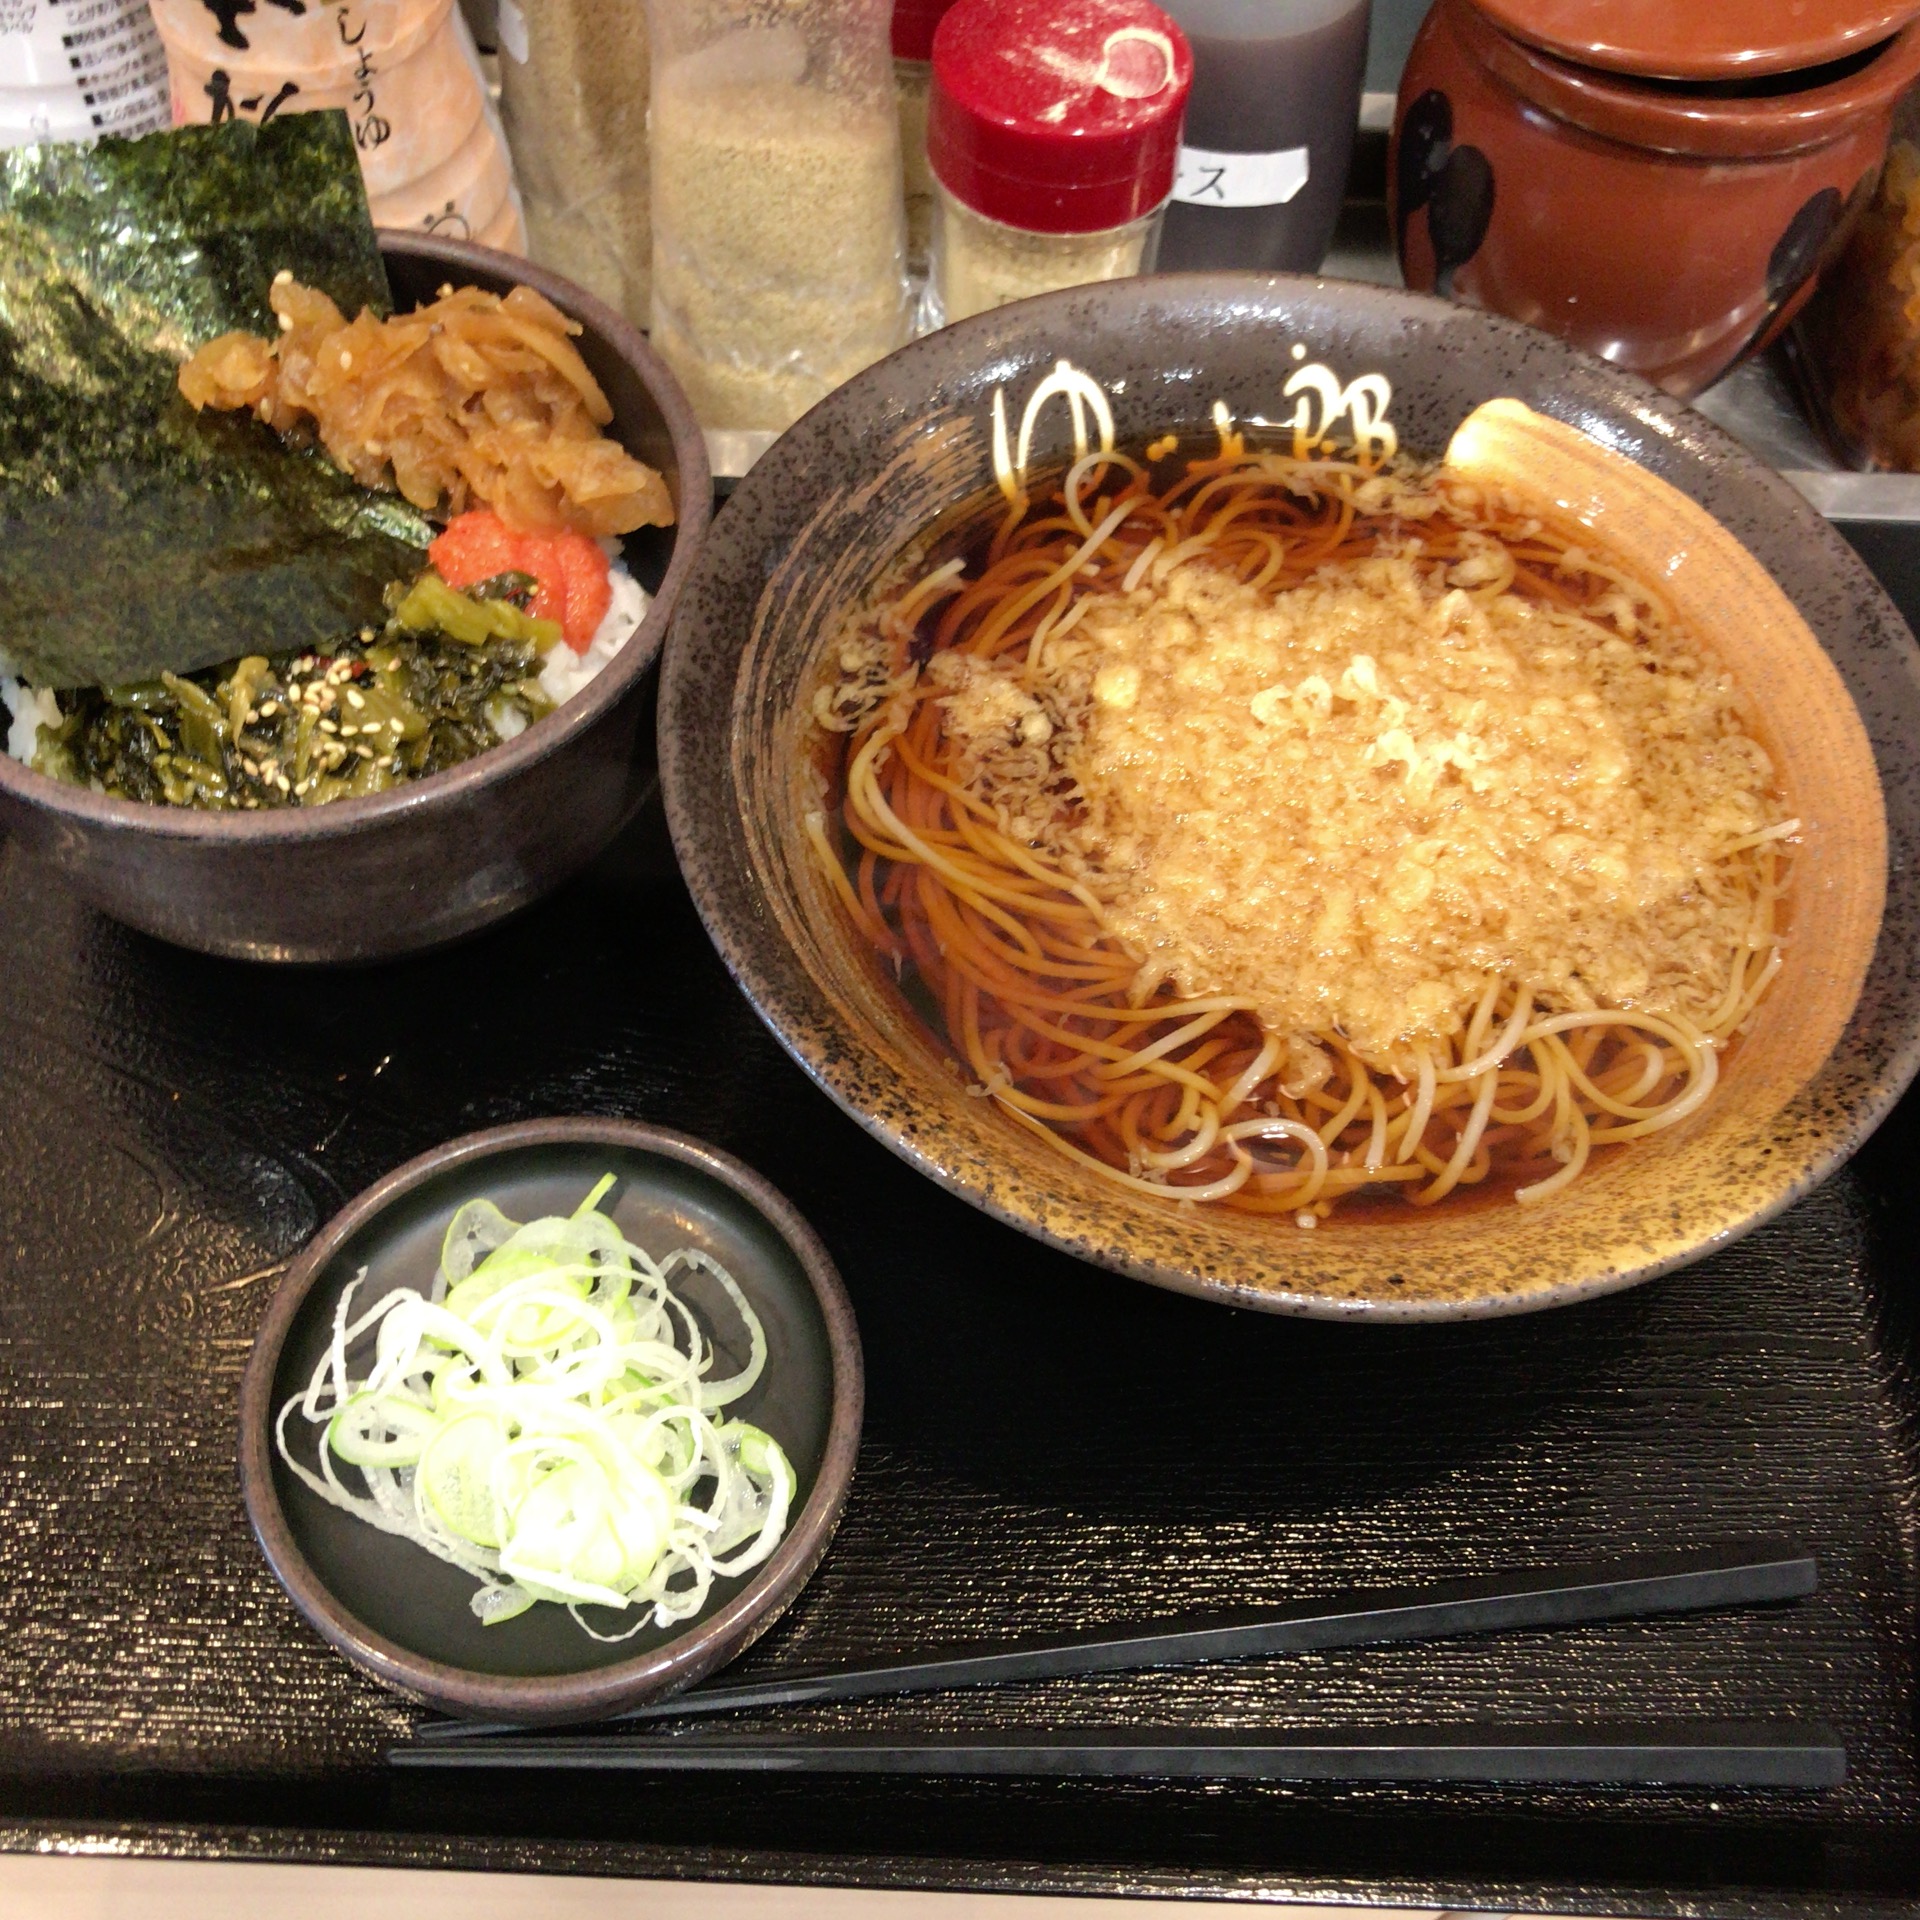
(136, 535)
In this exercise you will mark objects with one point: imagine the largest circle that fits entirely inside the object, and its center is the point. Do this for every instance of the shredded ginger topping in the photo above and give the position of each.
(1354, 802)
(472, 400)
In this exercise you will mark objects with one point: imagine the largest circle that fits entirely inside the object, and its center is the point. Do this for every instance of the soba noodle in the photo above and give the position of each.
(1006, 832)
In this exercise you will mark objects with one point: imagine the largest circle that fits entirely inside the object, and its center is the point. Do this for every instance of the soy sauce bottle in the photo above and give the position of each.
(1276, 97)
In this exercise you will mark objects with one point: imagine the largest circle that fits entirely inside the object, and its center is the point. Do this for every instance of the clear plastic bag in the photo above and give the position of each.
(573, 94)
(778, 225)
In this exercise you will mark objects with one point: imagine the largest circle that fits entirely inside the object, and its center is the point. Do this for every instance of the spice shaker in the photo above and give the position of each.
(1276, 99)
(779, 232)
(573, 95)
(1053, 134)
(914, 22)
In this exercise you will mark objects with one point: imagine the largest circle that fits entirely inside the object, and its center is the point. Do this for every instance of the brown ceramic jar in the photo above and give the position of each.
(1670, 219)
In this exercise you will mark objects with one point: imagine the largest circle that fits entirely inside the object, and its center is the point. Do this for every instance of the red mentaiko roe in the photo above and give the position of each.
(569, 571)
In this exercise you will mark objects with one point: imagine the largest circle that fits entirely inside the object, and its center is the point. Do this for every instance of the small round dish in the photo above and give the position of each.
(401, 1615)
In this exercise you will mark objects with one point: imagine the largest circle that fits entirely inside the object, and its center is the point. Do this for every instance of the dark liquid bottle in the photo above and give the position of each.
(1276, 96)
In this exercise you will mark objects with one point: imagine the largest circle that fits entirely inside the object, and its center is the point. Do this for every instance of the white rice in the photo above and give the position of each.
(28, 710)
(564, 674)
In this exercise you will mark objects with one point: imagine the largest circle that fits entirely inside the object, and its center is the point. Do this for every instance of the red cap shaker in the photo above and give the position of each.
(913, 24)
(1058, 118)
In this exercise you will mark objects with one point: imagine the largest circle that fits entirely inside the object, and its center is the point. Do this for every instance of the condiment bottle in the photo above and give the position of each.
(1053, 133)
(1276, 98)
(76, 71)
(779, 234)
(405, 72)
(1857, 342)
(914, 22)
(573, 95)
(1658, 184)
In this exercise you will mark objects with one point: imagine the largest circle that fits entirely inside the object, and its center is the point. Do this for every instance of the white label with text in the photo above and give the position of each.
(1239, 179)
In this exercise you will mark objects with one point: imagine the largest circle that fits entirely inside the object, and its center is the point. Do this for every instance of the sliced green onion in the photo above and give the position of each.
(544, 1421)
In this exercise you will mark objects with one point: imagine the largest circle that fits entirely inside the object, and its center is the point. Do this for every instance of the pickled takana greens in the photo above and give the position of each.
(449, 676)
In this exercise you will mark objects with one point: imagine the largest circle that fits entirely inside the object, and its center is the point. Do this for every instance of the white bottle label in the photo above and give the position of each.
(79, 68)
(1239, 179)
(511, 25)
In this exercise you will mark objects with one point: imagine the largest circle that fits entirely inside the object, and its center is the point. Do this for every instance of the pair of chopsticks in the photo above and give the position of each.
(1697, 1753)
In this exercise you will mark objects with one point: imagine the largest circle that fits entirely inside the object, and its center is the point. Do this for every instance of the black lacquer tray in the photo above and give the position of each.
(1046, 1446)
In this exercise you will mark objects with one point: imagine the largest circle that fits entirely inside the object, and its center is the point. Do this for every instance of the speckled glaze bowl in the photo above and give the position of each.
(842, 492)
(427, 862)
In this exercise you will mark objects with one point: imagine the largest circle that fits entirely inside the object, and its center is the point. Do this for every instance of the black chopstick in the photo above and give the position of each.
(1686, 1753)
(1743, 1574)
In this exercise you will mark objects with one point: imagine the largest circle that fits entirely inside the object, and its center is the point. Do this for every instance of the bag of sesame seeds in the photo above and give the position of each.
(779, 223)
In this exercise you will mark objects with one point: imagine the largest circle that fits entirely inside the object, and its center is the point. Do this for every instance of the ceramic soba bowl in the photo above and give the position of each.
(1830, 671)
(427, 862)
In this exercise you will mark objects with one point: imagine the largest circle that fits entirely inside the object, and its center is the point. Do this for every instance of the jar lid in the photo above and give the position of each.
(1701, 39)
(1058, 119)
(913, 25)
